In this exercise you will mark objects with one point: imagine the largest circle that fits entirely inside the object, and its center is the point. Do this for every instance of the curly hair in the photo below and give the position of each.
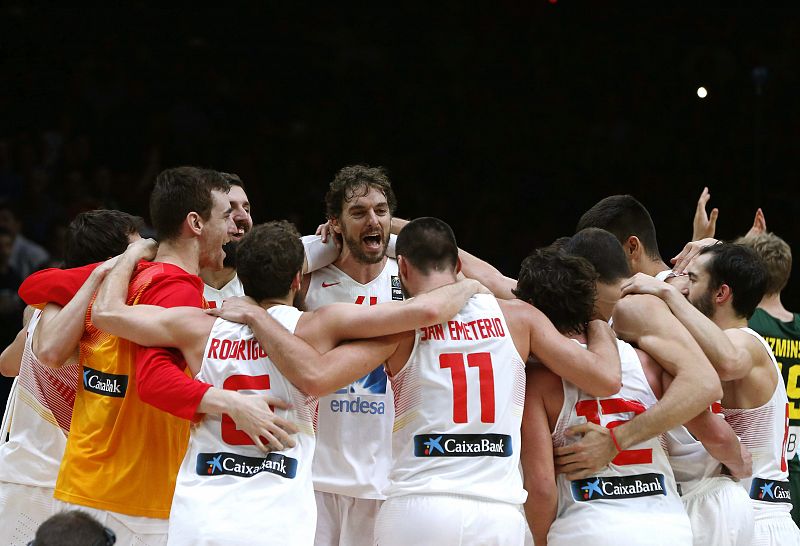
(356, 181)
(561, 286)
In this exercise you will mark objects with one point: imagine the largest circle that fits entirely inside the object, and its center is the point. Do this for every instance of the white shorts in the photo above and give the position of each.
(775, 528)
(133, 530)
(449, 520)
(721, 513)
(22, 509)
(344, 520)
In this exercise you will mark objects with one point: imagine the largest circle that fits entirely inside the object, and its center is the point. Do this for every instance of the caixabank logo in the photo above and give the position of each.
(105, 384)
(770, 490)
(462, 445)
(618, 487)
(215, 464)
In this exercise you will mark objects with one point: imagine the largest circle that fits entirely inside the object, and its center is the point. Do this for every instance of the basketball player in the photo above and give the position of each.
(40, 409)
(781, 329)
(118, 445)
(224, 283)
(228, 492)
(550, 277)
(727, 282)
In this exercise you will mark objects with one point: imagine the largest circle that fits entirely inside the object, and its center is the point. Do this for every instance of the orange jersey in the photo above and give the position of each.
(122, 454)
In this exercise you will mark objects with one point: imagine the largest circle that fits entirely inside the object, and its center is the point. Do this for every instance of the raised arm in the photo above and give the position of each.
(536, 456)
(731, 362)
(704, 225)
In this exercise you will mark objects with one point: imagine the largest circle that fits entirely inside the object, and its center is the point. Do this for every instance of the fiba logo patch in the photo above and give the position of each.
(397, 288)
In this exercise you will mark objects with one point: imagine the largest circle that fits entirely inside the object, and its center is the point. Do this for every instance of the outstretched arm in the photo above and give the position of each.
(730, 361)
(343, 321)
(302, 364)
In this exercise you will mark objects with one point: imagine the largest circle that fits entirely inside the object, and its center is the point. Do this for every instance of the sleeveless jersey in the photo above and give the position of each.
(689, 459)
(636, 494)
(117, 443)
(215, 296)
(354, 427)
(227, 490)
(764, 431)
(39, 418)
(458, 404)
(784, 340)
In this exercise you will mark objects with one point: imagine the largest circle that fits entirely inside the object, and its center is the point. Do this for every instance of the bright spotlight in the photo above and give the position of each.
(701, 92)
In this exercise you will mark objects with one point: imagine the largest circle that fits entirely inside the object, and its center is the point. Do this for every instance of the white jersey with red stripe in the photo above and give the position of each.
(458, 404)
(355, 423)
(215, 296)
(764, 431)
(228, 491)
(633, 501)
(689, 459)
(39, 418)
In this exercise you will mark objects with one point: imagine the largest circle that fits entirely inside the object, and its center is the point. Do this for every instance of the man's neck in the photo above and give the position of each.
(432, 281)
(358, 271)
(771, 303)
(185, 256)
(726, 318)
(272, 302)
(218, 279)
(653, 267)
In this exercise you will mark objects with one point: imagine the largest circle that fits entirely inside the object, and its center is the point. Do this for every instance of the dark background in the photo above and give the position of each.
(508, 120)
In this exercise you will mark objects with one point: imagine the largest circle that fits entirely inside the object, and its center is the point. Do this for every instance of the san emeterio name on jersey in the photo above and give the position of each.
(462, 445)
(215, 464)
(618, 487)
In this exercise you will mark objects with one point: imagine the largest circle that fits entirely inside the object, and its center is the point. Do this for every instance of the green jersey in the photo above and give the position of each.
(784, 340)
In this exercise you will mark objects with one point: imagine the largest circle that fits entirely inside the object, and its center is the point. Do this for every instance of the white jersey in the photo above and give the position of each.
(764, 431)
(634, 500)
(689, 459)
(227, 491)
(215, 296)
(38, 419)
(458, 404)
(355, 423)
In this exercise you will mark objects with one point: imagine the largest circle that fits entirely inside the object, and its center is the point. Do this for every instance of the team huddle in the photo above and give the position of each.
(375, 384)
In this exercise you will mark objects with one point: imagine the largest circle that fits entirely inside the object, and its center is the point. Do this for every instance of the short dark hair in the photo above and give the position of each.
(233, 179)
(603, 251)
(356, 181)
(742, 269)
(268, 258)
(96, 235)
(776, 255)
(561, 286)
(623, 216)
(73, 528)
(428, 244)
(179, 191)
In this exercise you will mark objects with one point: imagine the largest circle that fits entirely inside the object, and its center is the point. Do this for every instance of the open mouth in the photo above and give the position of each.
(238, 235)
(373, 241)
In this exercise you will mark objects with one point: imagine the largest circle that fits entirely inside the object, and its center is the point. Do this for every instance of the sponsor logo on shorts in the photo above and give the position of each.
(462, 445)
(217, 464)
(397, 289)
(106, 384)
(770, 490)
(618, 487)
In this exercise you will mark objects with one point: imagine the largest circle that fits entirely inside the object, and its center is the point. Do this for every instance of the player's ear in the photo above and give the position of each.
(195, 222)
(632, 246)
(458, 265)
(297, 281)
(337, 228)
(402, 267)
(723, 294)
